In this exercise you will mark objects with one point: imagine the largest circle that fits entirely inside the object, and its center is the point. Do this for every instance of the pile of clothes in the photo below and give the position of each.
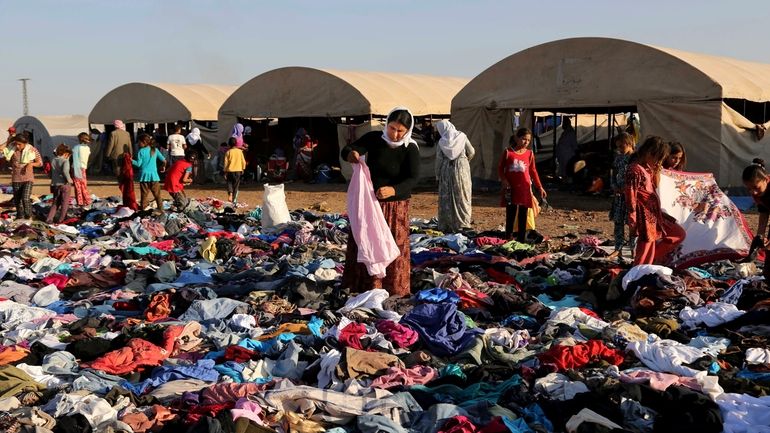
(203, 321)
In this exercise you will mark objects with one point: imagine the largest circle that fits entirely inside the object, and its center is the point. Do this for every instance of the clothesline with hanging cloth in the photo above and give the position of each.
(716, 228)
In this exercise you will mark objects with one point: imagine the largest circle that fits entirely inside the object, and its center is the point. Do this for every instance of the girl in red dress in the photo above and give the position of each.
(658, 233)
(517, 172)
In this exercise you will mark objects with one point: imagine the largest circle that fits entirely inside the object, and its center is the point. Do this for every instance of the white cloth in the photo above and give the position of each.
(376, 246)
(511, 340)
(14, 315)
(711, 315)
(46, 296)
(757, 355)
(742, 413)
(328, 373)
(194, 136)
(452, 141)
(711, 345)
(176, 145)
(587, 415)
(371, 299)
(639, 271)
(243, 321)
(716, 229)
(666, 356)
(558, 387)
(97, 411)
(406, 139)
(574, 316)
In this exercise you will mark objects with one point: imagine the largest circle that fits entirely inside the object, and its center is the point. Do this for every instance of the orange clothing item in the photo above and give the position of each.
(159, 308)
(12, 354)
(294, 328)
(137, 354)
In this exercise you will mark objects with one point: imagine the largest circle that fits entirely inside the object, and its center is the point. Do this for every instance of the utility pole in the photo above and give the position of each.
(24, 95)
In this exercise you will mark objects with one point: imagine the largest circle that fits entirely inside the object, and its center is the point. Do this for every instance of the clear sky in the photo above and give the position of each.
(77, 50)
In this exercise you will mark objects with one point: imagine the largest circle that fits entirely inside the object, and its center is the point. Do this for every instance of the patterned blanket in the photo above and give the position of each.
(716, 229)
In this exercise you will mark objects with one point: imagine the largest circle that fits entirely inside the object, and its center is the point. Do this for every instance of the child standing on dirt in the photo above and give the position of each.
(624, 147)
(60, 185)
(235, 164)
(517, 172)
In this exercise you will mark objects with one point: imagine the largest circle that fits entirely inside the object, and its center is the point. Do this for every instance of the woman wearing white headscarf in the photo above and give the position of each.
(195, 146)
(393, 159)
(453, 171)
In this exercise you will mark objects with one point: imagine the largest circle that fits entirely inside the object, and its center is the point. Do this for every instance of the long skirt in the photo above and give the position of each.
(397, 274)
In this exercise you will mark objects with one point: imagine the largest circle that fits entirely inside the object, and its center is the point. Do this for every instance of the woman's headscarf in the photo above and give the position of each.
(452, 141)
(194, 136)
(119, 124)
(407, 138)
(237, 132)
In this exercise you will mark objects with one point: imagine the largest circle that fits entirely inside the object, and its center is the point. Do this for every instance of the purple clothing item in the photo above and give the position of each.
(237, 132)
(400, 376)
(402, 336)
(441, 327)
(376, 246)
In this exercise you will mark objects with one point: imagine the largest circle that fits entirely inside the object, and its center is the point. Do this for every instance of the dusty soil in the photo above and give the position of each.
(571, 213)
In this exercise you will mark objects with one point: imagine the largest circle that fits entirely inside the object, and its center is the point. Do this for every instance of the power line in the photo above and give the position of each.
(24, 95)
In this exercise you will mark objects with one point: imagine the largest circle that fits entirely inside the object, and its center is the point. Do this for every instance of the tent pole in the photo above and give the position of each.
(595, 119)
(764, 112)
(610, 121)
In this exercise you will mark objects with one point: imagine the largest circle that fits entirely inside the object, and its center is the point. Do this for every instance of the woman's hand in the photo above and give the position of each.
(543, 194)
(386, 192)
(353, 157)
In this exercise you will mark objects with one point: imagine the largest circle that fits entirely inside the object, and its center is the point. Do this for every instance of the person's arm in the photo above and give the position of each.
(38, 162)
(762, 227)
(633, 182)
(501, 169)
(411, 170)
(111, 142)
(66, 168)
(353, 151)
(470, 152)
(533, 174)
(187, 177)
(160, 156)
(139, 159)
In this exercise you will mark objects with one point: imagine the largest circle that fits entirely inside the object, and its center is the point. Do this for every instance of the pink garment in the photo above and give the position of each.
(398, 376)
(245, 408)
(489, 240)
(401, 335)
(659, 381)
(376, 246)
(222, 393)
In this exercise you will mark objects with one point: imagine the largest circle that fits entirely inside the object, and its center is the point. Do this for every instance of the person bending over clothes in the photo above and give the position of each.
(658, 233)
(677, 157)
(394, 164)
(755, 179)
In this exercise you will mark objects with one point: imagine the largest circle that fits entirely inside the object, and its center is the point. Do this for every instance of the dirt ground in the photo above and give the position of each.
(571, 213)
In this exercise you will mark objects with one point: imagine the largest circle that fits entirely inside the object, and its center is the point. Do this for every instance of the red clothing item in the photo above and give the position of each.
(401, 335)
(126, 183)
(520, 172)
(351, 335)
(495, 426)
(458, 424)
(173, 181)
(239, 354)
(579, 355)
(488, 240)
(167, 245)
(58, 280)
(656, 252)
(500, 277)
(472, 298)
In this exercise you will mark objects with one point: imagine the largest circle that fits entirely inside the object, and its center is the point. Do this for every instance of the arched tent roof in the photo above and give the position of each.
(160, 102)
(604, 72)
(309, 92)
(49, 131)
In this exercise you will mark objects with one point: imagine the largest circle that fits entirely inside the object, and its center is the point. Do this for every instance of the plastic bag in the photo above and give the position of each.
(274, 209)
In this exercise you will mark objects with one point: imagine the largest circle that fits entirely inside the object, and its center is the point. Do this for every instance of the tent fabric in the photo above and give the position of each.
(160, 103)
(49, 131)
(309, 92)
(716, 229)
(594, 74)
